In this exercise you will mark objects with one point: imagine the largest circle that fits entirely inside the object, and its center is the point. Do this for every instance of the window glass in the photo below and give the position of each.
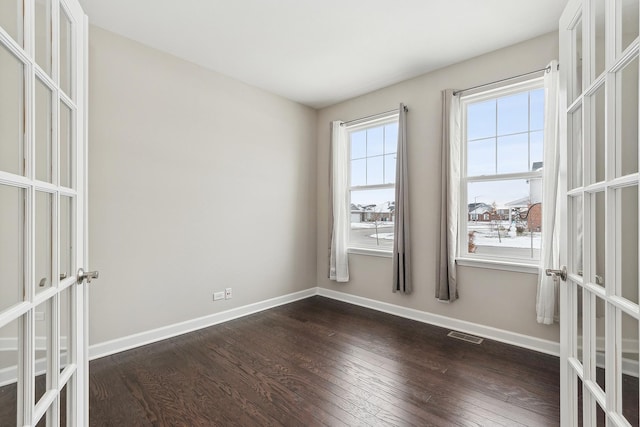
(513, 153)
(372, 218)
(505, 218)
(375, 170)
(372, 193)
(375, 141)
(481, 120)
(536, 109)
(513, 114)
(504, 136)
(481, 159)
(391, 138)
(359, 145)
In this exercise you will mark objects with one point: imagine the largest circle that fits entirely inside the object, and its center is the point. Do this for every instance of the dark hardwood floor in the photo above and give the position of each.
(323, 362)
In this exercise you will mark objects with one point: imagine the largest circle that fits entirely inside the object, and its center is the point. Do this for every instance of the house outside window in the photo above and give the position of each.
(372, 172)
(501, 173)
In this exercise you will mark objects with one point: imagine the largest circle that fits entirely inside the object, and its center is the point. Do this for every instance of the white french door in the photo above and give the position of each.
(43, 358)
(599, 300)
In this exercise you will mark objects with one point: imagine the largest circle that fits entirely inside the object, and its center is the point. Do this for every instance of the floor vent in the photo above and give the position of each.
(464, 337)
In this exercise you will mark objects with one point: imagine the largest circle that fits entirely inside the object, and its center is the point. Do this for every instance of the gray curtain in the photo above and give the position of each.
(401, 241)
(446, 284)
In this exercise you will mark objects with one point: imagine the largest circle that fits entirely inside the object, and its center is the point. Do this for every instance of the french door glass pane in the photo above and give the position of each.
(12, 228)
(11, 18)
(600, 339)
(43, 317)
(597, 134)
(599, 42)
(576, 69)
(65, 52)
(9, 355)
(598, 236)
(65, 145)
(64, 403)
(628, 23)
(43, 34)
(627, 111)
(579, 406)
(65, 245)
(65, 326)
(601, 418)
(578, 326)
(44, 132)
(44, 420)
(43, 241)
(628, 379)
(576, 143)
(627, 247)
(11, 112)
(577, 234)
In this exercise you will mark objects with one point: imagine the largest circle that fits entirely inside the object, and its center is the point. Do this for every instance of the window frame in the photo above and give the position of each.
(355, 126)
(464, 257)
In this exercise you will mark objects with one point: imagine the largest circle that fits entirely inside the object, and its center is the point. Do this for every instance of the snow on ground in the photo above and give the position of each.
(383, 236)
(509, 239)
(483, 236)
(355, 225)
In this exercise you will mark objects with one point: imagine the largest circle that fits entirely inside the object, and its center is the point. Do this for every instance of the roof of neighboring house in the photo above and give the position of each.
(524, 201)
(480, 210)
(473, 206)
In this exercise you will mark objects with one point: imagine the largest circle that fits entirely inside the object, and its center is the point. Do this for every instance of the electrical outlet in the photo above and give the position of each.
(227, 293)
(218, 296)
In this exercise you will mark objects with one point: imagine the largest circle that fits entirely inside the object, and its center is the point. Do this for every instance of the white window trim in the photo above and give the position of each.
(370, 252)
(377, 120)
(503, 265)
(465, 258)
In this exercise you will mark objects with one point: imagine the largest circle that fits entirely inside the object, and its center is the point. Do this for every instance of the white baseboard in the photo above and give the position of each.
(531, 343)
(132, 341)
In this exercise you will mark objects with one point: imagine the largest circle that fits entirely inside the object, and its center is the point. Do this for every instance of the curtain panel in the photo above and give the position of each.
(401, 228)
(446, 282)
(546, 302)
(339, 176)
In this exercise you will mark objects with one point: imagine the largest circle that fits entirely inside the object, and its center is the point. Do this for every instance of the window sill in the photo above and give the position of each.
(370, 252)
(498, 265)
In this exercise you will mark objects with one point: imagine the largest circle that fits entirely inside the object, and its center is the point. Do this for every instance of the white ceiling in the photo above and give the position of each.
(319, 52)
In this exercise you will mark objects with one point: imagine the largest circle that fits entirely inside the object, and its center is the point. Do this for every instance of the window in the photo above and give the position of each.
(372, 173)
(501, 173)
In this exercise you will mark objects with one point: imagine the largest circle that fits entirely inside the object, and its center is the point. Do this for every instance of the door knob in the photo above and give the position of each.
(559, 273)
(86, 275)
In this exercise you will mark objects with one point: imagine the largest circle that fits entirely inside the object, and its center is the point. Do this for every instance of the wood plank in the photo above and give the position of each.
(323, 362)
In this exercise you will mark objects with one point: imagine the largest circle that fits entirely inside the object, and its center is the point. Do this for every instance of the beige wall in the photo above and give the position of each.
(197, 182)
(504, 300)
